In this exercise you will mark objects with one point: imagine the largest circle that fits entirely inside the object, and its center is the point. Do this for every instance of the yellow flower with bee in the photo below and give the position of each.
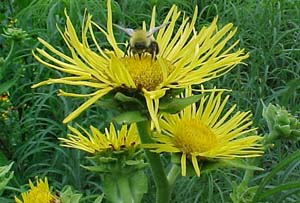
(182, 58)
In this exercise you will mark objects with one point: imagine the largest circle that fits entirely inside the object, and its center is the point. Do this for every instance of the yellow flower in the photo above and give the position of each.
(37, 194)
(202, 132)
(112, 139)
(4, 97)
(187, 56)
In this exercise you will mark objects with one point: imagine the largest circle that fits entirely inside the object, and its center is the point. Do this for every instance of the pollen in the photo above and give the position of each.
(193, 136)
(145, 71)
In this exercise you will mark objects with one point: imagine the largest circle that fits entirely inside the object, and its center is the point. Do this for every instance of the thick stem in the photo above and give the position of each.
(161, 182)
(124, 188)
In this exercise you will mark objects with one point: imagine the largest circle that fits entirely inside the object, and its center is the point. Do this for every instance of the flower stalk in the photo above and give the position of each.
(163, 189)
(125, 189)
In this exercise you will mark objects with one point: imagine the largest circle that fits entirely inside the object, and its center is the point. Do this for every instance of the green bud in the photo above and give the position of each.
(281, 124)
(284, 130)
(15, 33)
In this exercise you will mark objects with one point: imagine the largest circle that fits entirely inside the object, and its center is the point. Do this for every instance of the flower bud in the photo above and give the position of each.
(281, 124)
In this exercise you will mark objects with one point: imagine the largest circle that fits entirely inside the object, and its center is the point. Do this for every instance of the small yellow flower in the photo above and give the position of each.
(37, 194)
(201, 131)
(4, 97)
(111, 140)
(187, 56)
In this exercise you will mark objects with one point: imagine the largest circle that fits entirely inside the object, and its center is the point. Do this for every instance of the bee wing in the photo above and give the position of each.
(128, 31)
(155, 29)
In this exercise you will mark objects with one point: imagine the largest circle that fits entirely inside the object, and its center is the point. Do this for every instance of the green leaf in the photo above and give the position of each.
(99, 199)
(138, 164)
(108, 102)
(68, 196)
(138, 183)
(290, 87)
(130, 117)
(118, 187)
(5, 169)
(3, 159)
(101, 169)
(110, 188)
(102, 158)
(4, 177)
(281, 188)
(124, 98)
(174, 105)
(282, 164)
(239, 163)
(4, 86)
(209, 166)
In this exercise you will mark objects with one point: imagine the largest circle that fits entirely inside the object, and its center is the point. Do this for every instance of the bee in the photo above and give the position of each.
(141, 42)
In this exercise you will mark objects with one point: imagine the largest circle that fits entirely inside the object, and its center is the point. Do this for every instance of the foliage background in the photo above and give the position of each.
(31, 121)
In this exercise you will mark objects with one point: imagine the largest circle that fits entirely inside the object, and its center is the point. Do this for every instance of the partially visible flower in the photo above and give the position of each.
(5, 105)
(202, 132)
(186, 57)
(96, 141)
(4, 97)
(11, 22)
(37, 194)
(113, 153)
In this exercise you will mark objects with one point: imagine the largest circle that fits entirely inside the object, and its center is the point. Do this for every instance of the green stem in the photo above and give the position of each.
(124, 188)
(173, 174)
(11, 52)
(161, 182)
(249, 173)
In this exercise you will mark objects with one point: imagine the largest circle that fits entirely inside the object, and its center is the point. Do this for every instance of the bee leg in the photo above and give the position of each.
(153, 55)
(126, 53)
(154, 50)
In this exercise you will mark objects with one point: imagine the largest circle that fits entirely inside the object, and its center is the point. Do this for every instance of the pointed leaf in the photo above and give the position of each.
(99, 199)
(5, 169)
(68, 196)
(124, 98)
(101, 169)
(174, 105)
(139, 185)
(4, 86)
(130, 117)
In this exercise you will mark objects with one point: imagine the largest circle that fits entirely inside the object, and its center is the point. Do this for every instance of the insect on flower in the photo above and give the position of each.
(140, 41)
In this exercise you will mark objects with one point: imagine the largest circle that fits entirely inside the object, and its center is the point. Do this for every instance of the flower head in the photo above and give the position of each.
(186, 57)
(202, 132)
(95, 142)
(37, 194)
